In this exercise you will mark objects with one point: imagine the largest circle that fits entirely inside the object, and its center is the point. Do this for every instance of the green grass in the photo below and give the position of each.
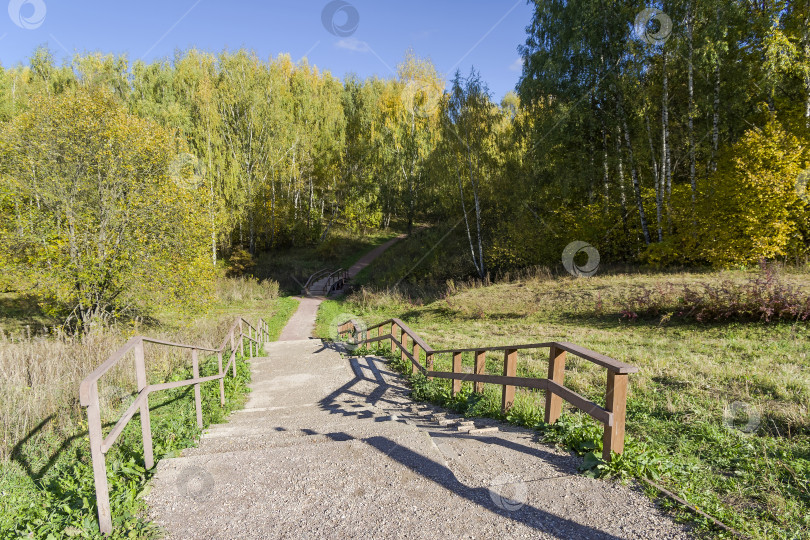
(46, 485)
(48, 491)
(680, 431)
(285, 308)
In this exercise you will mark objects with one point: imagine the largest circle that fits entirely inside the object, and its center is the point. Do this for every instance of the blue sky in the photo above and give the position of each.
(455, 34)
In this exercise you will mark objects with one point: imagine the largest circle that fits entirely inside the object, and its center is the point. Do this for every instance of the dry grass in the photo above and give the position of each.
(40, 373)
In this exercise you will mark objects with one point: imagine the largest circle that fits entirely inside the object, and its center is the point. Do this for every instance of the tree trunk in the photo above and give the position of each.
(606, 176)
(656, 179)
(691, 111)
(715, 118)
(622, 194)
(665, 181)
(636, 184)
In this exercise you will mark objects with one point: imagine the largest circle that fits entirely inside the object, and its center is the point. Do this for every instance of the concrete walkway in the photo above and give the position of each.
(302, 324)
(331, 447)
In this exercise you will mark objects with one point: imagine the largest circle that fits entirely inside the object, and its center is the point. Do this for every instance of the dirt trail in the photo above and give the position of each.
(302, 324)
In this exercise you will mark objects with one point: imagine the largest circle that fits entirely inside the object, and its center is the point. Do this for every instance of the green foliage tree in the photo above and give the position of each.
(92, 219)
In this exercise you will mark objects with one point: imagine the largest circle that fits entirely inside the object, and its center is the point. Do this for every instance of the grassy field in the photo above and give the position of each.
(718, 413)
(46, 482)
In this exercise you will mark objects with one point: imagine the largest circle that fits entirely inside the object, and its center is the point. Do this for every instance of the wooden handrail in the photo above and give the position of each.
(612, 416)
(88, 397)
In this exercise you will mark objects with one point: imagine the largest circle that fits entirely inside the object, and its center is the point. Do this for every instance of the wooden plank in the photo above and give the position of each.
(499, 348)
(95, 375)
(186, 382)
(124, 420)
(180, 345)
(403, 344)
(480, 369)
(616, 403)
(456, 371)
(221, 381)
(146, 424)
(97, 456)
(195, 368)
(414, 336)
(599, 359)
(509, 370)
(580, 402)
(556, 373)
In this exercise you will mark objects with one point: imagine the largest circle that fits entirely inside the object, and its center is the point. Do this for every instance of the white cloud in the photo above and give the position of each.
(517, 65)
(353, 44)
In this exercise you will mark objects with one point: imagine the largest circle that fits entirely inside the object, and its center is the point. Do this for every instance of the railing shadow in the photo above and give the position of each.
(36, 476)
(376, 397)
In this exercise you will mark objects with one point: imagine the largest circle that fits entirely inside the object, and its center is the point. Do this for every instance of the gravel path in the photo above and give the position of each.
(302, 324)
(331, 447)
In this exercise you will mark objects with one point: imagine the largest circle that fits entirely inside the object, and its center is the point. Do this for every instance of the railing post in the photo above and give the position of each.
(480, 369)
(403, 339)
(615, 402)
(195, 367)
(393, 327)
(99, 465)
(221, 381)
(415, 354)
(146, 425)
(456, 369)
(233, 357)
(379, 331)
(509, 370)
(241, 339)
(556, 373)
(429, 363)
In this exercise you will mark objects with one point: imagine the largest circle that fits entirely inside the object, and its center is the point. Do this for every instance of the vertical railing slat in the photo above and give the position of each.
(615, 402)
(480, 369)
(195, 366)
(556, 373)
(146, 425)
(509, 370)
(456, 369)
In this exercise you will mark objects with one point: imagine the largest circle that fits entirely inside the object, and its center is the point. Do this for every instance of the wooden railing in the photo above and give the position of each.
(88, 394)
(339, 276)
(612, 415)
(320, 274)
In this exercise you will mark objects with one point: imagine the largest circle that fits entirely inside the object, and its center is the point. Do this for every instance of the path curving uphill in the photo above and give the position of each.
(302, 324)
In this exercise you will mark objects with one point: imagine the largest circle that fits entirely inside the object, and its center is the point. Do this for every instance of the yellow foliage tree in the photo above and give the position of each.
(751, 209)
(90, 217)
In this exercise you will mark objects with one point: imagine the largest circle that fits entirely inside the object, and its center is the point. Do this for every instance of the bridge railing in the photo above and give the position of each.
(338, 276)
(320, 274)
(241, 330)
(612, 415)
